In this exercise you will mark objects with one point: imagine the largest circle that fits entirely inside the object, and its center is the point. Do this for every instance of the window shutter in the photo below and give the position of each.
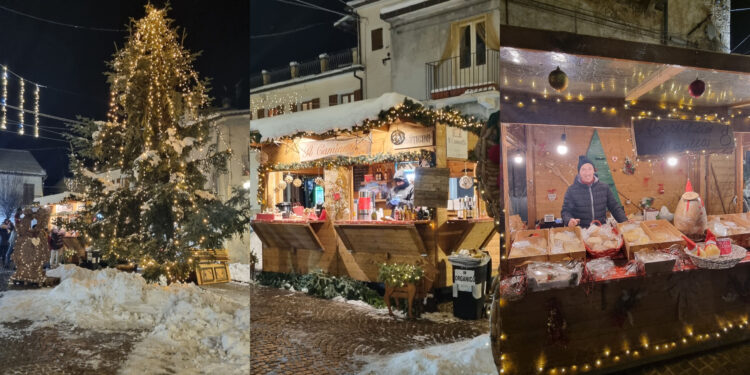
(376, 38)
(316, 103)
(333, 100)
(358, 95)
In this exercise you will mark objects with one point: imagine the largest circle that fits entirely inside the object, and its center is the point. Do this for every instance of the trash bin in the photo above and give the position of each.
(470, 282)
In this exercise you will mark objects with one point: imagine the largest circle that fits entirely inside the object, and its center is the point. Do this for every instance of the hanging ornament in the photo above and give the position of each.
(552, 194)
(558, 79)
(398, 137)
(629, 168)
(262, 157)
(297, 182)
(319, 181)
(696, 88)
(288, 179)
(661, 189)
(282, 185)
(614, 159)
(276, 189)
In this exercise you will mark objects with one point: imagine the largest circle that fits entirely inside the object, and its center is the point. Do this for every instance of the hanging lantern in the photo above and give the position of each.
(297, 182)
(288, 179)
(319, 181)
(697, 88)
(466, 182)
(558, 79)
(282, 185)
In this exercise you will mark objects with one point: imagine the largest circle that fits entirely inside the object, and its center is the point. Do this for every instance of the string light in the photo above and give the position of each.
(36, 111)
(21, 113)
(4, 120)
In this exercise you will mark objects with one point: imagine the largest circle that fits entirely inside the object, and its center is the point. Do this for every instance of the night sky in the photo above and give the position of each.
(72, 61)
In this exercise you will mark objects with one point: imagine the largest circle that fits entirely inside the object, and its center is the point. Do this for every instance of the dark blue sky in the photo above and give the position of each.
(73, 61)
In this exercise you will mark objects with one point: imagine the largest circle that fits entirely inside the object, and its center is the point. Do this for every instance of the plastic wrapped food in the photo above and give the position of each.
(725, 227)
(601, 238)
(634, 234)
(601, 267)
(546, 275)
(565, 242)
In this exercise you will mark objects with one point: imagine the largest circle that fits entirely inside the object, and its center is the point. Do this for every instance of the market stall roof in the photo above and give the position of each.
(52, 199)
(320, 120)
(603, 68)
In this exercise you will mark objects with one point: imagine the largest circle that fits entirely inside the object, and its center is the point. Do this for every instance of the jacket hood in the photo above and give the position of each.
(400, 175)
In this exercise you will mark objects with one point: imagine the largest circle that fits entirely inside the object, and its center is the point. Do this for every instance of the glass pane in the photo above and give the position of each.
(746, 185)
(465, 47)
(480, 50)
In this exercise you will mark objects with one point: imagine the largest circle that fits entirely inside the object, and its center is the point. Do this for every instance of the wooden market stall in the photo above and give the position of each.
(638, 113)
(343, 159)
(64, 209)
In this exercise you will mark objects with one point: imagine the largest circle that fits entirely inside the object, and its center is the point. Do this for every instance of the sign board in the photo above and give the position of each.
(457, 142)
(464, 279)
(312, 150)
(431, 187)
(413, 136)
(659, 137)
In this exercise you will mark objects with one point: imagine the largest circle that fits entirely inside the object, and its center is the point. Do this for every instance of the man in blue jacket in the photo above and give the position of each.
(588, 199)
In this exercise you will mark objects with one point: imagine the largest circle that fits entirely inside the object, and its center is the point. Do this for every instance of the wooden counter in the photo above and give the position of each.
(621, 322)
(296, 246)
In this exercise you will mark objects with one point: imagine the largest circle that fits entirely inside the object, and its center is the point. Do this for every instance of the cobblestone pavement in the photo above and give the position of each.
(292, 333)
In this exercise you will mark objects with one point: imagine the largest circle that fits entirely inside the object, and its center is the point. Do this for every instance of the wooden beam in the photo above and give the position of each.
(530, 180)
(739, 157)
(740, 105)
(653, 81)
(586, 45)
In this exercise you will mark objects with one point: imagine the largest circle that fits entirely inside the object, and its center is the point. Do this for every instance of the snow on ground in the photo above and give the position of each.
(240, 272)
(472, 356)
(436, 317)
(186, 329)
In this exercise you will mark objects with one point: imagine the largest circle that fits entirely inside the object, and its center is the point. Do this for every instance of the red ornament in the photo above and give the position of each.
(336, 196)
(494, 154)
(697, 88)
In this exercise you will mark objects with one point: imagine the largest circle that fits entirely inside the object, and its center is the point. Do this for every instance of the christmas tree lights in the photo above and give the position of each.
(21, 92)
(158, 211)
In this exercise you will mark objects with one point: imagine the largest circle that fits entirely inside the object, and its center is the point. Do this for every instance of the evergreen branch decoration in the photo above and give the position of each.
(398, 274)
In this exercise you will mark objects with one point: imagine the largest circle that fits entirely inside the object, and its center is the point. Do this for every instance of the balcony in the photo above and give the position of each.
(324, 63)
(463, 74)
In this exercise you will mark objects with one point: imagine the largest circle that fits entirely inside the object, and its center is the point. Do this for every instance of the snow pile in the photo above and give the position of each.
(205, 195)
(188, 328)
(178, 144)
(151, 156)
(464, 357)
(239, 272)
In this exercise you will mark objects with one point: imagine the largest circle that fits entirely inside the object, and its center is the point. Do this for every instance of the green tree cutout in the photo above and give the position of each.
(156, 135)
(596, 154)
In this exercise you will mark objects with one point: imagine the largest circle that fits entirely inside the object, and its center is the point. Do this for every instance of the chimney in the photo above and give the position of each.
(323, 62)
(266, 76)
(294, 69)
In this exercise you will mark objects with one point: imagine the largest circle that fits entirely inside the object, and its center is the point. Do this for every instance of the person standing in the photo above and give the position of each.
(402, 192)
(6, 228)
(588, 199)
(55, 245)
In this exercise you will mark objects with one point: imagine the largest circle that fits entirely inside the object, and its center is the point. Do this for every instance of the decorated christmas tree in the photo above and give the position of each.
(144, 170)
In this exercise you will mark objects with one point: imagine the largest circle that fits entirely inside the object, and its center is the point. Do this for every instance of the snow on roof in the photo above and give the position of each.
(320, 120)
(52, 199)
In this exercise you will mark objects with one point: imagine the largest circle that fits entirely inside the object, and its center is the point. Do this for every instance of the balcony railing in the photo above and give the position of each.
(460, 74)
(335, 61)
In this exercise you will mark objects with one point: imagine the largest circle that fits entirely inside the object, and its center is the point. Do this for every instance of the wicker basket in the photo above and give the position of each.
(608, 252)
(487, 170)
(738, 254)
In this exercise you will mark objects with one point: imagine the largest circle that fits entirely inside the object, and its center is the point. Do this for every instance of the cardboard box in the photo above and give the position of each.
(661, 235)
(577, 254)
(514, 259)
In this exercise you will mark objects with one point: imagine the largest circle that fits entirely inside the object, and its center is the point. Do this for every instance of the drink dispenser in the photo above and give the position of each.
(365, 204)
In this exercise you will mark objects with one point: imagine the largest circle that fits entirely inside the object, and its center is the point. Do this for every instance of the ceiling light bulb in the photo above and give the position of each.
(518, 159)
(562, 149)
(671, 161)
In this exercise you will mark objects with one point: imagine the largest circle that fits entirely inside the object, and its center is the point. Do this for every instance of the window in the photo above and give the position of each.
(333, 100)
(347, 98)
(310, 104)
(472, 45)
(376, 37)
(28, 193)
(261, 113)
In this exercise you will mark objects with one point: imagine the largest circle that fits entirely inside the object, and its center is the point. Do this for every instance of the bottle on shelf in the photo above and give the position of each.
(379, 175)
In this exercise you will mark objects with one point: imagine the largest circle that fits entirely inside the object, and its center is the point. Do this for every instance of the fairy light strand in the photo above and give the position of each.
(21, 113)
(4, 121)
(36, 111)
